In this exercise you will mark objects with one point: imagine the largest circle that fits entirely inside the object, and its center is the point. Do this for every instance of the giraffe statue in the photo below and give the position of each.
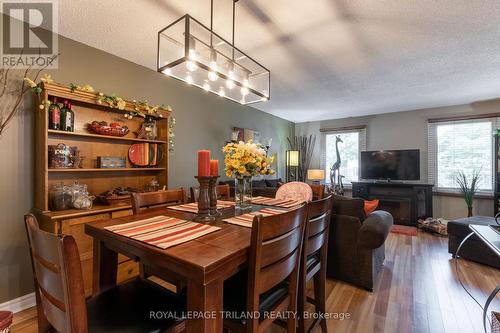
(334, 170)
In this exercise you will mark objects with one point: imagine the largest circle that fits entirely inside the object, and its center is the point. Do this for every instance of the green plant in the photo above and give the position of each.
(467, 188)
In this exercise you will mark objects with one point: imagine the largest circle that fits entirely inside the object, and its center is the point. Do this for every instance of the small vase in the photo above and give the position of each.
(469, 211)
(243, 193)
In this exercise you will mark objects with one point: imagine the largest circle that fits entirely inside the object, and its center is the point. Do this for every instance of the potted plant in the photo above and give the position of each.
(467, 188)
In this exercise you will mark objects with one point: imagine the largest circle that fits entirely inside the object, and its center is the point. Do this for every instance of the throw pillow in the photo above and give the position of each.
(370, 206)
(273, 182)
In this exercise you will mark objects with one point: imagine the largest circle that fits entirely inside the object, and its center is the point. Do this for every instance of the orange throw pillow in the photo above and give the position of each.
(370, 206)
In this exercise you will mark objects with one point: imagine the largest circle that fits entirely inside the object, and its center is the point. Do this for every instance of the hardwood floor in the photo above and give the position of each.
(417, 291)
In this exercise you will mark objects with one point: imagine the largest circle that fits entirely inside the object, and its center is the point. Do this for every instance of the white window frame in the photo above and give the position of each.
(361, 147)
(432, 144)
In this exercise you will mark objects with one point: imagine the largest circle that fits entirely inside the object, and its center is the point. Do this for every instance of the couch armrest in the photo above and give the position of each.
(375, 229)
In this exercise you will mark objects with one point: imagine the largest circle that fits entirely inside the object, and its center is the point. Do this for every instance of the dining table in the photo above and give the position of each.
(203, 263)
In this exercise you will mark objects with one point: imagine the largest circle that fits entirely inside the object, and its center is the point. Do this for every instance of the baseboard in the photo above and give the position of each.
(19, 304)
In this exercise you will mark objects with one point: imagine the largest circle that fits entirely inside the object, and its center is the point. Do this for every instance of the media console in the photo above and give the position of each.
(407, 202)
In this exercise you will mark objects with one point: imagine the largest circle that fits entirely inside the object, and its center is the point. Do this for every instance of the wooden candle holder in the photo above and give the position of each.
(212, 193)
(204, 200)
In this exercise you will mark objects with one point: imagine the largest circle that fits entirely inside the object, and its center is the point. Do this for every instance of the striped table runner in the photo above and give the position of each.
(246, 220)
(162, 231)
(283, 203)
(193, 207)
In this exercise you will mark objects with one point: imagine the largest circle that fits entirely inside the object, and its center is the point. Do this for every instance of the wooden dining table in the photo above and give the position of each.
(203, 263)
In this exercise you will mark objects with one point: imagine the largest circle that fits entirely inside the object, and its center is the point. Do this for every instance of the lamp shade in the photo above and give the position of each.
(315, 174)
(292, 158)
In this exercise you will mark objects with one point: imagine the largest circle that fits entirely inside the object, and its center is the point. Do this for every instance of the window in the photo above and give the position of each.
(353, 141)
(462, 145)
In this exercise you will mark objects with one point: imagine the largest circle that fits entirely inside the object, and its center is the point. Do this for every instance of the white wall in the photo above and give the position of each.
(405, 130)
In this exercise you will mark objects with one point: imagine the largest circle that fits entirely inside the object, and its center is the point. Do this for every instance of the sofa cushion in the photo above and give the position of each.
(273, 182)
(349, 206)
(259, 183)
(370, 206)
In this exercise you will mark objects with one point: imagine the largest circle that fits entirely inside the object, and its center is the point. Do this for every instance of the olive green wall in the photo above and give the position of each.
(203, 121)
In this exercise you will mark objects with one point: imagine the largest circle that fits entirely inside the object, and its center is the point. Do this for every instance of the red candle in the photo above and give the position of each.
(203, 163)
(214, 167)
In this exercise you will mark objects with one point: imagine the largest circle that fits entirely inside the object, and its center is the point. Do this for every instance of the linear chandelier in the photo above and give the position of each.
(195, 54)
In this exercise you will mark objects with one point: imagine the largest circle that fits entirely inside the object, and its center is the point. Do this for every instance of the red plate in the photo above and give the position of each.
(141, 154)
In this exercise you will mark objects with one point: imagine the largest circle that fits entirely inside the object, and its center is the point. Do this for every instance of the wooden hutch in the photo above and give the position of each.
(71, 222)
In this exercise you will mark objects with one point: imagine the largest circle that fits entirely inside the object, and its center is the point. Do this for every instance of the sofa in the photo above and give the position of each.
(356, 245)
(260, 187)
(473, 249)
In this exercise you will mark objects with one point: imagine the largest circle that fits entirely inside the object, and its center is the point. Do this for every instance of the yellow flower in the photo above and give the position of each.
(242, 169)
(120, 104)
(30, 82)
(47, 78)
(88, 88)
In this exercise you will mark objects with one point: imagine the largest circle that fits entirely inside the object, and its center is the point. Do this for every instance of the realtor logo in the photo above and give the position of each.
(29, 33)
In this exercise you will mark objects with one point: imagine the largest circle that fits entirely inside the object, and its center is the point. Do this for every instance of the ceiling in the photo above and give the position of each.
(328, 58)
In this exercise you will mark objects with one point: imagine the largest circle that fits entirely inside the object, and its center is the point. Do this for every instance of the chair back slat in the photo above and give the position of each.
(274, 274)
(317, 228)
(159, 198)
(223, 192)
(275, 250)
(58, 278)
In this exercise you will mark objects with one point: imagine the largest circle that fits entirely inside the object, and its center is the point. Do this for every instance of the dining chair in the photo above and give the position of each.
(270, 282)
(318, 191)
(223, 192)
(60, 295)
(141, 201)
(313, 263)
(295, 190)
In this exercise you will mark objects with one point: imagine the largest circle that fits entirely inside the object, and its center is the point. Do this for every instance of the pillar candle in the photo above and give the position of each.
(203, 163)
(214, 167)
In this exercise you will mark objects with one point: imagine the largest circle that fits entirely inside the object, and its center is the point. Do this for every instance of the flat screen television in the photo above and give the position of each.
(391, 164)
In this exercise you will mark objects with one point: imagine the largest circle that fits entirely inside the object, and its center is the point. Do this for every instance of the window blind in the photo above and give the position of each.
(461, 145)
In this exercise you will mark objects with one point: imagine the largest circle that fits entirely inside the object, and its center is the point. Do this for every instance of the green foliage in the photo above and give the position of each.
(467, 188)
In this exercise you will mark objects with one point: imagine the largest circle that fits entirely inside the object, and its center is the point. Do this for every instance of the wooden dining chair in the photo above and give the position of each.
(60, 295)
(318, 191)
(270, 283)
(223, 192)
(141, 201)
(313, 263)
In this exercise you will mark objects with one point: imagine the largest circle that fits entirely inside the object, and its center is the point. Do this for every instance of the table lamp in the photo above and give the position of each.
(316, 175)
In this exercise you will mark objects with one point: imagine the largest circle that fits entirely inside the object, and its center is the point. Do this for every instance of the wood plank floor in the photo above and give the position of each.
(417, 291)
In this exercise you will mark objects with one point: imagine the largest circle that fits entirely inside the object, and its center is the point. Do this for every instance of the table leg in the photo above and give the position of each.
(462, 243)
(205, 300)
(104, 267)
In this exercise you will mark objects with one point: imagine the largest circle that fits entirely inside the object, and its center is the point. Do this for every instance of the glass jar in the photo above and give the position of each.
(60, 197)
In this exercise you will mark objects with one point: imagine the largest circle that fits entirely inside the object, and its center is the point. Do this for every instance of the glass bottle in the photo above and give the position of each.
(54, 115)
(64, 109)
(68, 119)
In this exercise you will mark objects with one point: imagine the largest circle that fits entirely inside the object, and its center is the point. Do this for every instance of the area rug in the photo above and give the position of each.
(404, 230)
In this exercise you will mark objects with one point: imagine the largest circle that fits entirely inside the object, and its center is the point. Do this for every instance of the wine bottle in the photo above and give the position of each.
(54, 115)
(69, 120)
(64, 111)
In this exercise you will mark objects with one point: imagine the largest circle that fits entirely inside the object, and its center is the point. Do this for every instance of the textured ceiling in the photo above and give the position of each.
(328, 58)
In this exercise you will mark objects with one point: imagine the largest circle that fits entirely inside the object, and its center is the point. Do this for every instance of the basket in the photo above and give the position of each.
(108, 130)
(495, 322)
(115, 200)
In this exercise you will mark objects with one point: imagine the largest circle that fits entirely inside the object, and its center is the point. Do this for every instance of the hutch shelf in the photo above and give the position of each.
(86, 109)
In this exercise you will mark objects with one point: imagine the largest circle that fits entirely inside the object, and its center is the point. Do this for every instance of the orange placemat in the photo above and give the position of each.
(193, 207)
(162, 231)
(283, 203)
(245, 220)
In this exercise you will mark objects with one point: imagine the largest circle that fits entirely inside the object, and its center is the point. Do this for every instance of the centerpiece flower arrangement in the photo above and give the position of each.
(242, 161)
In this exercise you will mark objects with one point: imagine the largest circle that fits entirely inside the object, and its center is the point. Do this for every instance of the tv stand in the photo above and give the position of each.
(407, 202)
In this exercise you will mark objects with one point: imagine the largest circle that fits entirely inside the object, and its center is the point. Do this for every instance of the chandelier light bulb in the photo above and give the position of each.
(206, 86)
(244, 91)
(191, 66)
(212, 76)
(189, 78)
(229, 84)
(242, 100)
(213, 61)
(222, 93)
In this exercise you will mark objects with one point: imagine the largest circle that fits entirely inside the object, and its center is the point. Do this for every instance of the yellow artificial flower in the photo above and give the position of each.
(30, 82)
(47, 78)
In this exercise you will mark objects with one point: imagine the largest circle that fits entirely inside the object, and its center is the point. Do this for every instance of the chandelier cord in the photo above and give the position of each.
(234, 5)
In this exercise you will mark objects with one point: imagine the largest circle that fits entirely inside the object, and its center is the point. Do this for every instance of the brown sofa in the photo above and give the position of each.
(261, 187)
(356, 249)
